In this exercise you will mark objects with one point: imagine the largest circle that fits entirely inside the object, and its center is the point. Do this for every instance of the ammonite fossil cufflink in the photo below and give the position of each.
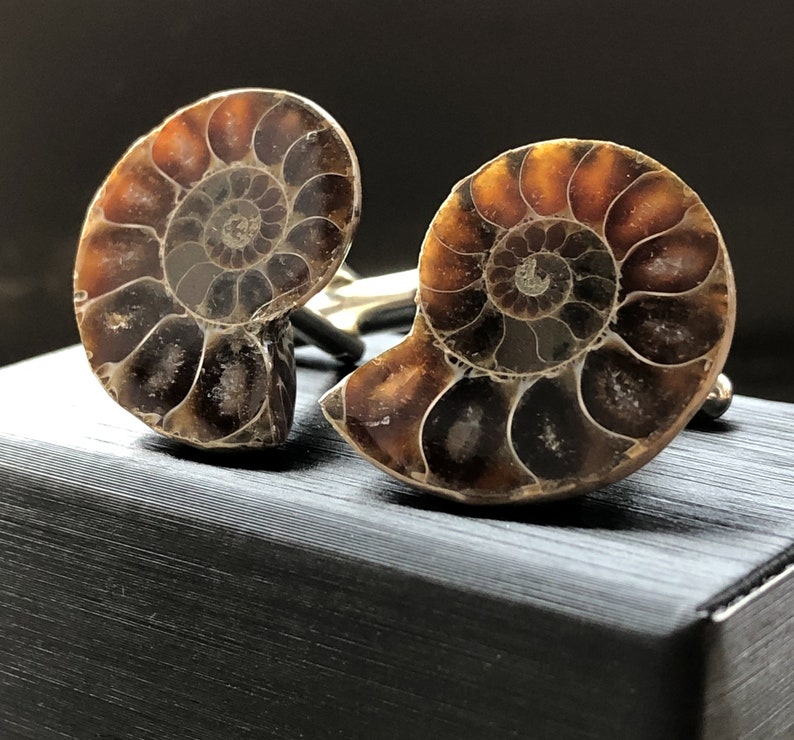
(204, 238)
(575, 307)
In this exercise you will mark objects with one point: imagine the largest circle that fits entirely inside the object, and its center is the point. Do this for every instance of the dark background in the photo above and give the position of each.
(427, 91)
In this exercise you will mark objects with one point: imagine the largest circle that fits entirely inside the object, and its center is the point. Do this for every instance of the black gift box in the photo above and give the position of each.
(152, 591)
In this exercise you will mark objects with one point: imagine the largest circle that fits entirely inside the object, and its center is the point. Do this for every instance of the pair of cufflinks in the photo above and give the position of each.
(575, 302)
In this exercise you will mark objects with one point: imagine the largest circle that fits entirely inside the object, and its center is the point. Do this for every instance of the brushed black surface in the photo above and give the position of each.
(750, 664)
(149, 590)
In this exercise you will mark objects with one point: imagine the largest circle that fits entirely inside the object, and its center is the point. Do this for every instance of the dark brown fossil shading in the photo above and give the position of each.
(576, 304)
(206, 234)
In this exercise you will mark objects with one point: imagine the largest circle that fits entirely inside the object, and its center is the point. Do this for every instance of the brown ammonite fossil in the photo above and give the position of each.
(576, 305)
(205, 235)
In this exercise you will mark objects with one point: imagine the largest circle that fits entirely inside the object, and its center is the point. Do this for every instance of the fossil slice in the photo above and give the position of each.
(210, 229)
(576, 304)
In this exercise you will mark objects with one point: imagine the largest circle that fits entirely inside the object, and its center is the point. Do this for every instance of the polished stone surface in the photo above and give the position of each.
(210, 229)
(576, 304)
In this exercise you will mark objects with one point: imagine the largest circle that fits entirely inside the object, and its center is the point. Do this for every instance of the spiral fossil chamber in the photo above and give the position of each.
(206, 234)
(576, 303)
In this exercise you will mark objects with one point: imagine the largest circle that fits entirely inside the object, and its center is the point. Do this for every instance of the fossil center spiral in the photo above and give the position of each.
(238, 223)
(531, 279)
(219, 242)
(537, 298)
(535, 269)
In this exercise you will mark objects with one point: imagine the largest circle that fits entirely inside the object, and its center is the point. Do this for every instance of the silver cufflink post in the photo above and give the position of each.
(349, 306)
